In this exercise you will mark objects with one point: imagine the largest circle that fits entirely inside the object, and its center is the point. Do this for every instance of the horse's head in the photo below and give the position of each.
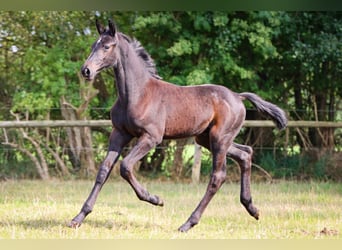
(104, 52)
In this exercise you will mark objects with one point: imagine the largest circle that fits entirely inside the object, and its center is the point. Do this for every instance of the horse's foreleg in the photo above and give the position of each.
(143, 146)
(117, 142)
(243, 155)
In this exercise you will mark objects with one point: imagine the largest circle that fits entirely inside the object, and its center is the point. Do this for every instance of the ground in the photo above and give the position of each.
(288, 210)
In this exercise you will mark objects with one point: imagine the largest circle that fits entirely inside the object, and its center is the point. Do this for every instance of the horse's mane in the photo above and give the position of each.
(142, 53)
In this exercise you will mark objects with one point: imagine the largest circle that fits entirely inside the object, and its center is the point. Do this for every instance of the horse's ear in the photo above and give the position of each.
(99, 27)
(112, 27)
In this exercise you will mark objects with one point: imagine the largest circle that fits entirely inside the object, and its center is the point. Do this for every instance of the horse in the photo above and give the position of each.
(150, 109)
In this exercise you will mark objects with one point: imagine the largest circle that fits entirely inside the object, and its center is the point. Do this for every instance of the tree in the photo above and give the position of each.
(311, 46)
(42, 55)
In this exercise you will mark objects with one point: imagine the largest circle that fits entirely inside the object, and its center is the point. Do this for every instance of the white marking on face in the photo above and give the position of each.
(98, 41)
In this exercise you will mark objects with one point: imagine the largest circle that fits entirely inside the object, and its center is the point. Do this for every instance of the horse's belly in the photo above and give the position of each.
(185, 125)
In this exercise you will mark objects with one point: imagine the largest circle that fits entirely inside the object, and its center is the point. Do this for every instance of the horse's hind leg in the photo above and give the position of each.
(243, 155)
(219, 150)
(117, 142)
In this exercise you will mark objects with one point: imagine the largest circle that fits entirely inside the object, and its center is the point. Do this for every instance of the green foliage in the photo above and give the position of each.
(220, 19)
(232, 46)
(198, 76)
(181, 47)
(50, 50)
(281, 166)
(36, 104)
(301, 166)
(14, 166)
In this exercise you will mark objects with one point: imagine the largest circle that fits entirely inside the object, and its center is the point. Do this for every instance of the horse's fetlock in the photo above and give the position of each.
(193, 220)
(245, 202)
(86, 209)
(144, 195)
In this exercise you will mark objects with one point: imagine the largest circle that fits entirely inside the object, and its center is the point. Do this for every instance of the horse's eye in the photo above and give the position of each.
(106, 47)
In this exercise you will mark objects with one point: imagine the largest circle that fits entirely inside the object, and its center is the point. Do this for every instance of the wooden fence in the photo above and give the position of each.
(104, 123)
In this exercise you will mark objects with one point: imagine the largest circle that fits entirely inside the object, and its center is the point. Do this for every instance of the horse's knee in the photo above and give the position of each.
(247, 158)
(249, 150)
(102, 174)
(218, 179)
(248, 153)
(106, 167)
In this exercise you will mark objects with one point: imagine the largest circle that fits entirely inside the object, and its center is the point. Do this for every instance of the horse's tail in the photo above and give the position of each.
(277, 114)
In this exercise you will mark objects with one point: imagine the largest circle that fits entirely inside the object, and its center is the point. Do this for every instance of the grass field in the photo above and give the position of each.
(289, 210)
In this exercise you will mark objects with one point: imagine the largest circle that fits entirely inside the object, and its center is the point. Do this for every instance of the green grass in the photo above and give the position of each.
(289, 210)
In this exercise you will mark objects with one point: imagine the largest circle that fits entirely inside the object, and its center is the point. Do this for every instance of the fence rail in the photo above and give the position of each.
(105, 123)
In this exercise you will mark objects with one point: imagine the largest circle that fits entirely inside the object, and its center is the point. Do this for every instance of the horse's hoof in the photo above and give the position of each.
(160, 202)
(157, 201)
(74, 224)
(256, 215)
(184, 228)
(187, 226)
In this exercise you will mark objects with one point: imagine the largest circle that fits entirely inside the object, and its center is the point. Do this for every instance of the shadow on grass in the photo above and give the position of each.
(124, 224)
(32, 224)
(43, 224)
(46, 223)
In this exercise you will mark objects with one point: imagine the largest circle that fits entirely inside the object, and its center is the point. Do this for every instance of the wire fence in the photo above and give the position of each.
(103, 123)
(60, 124)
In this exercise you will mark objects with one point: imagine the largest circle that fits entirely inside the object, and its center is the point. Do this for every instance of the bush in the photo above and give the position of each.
(313, 164)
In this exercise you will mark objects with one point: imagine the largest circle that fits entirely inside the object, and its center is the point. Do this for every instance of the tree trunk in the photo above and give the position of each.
(87, 154)
(79, 139)
(196, 167)
(38, 157)
(178, 157)
(80, 143)
(42, 168)
(59, 161)
(322, 137)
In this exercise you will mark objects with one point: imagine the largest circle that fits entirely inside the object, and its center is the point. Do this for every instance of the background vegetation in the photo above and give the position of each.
(290, 58)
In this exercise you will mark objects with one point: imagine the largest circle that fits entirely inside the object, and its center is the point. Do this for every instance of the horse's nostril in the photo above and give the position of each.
(85, 72)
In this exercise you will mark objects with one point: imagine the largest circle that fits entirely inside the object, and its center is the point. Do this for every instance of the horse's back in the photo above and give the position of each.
(211, 91)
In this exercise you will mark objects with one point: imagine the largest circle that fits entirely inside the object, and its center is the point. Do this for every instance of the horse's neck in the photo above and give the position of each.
(131, 76)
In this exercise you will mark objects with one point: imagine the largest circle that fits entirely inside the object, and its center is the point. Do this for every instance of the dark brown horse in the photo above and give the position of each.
(151, 109)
